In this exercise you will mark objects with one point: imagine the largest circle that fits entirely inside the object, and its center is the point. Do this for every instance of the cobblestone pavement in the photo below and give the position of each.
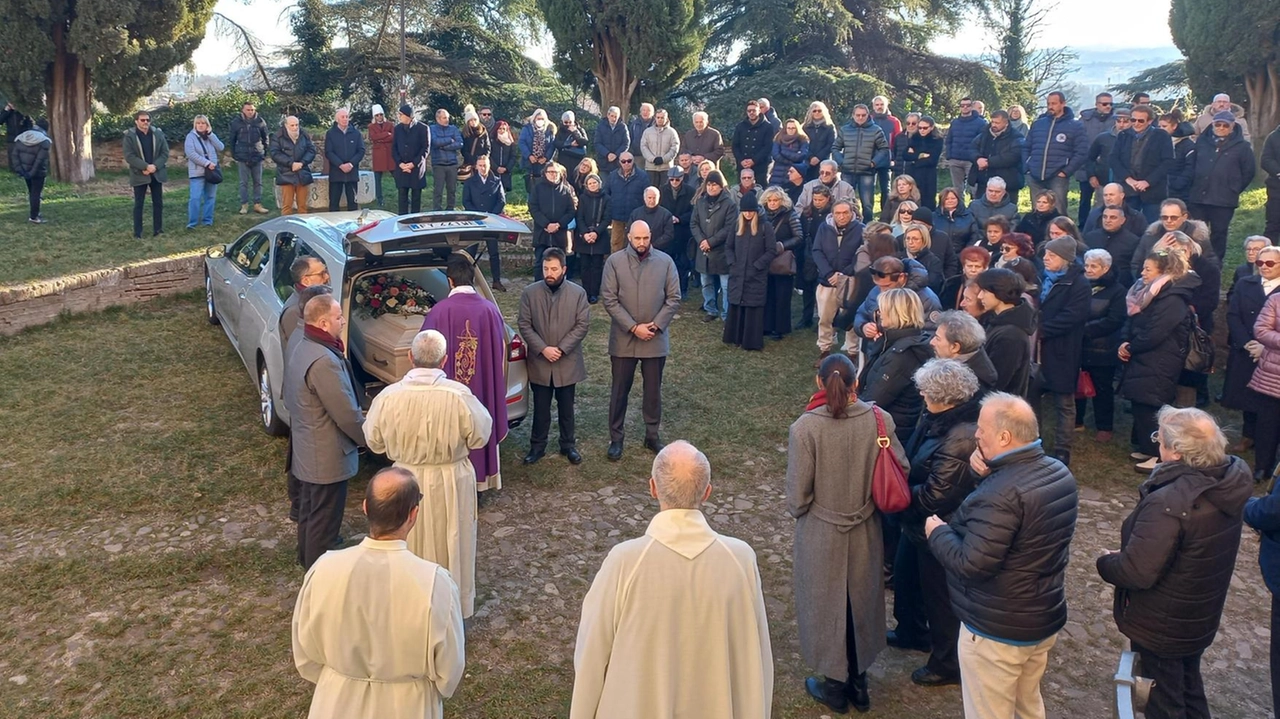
(540, 548)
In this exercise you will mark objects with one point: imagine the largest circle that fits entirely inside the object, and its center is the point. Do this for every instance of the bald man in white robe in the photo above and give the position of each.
(674, 624)
(375, 628)
(428, 424)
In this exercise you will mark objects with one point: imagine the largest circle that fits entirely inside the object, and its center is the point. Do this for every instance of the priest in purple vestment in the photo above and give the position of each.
(477, 357)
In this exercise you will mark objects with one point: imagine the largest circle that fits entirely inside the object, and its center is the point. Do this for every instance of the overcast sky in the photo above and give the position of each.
(1074, 22)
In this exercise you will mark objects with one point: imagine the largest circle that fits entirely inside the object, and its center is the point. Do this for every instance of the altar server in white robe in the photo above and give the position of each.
(428, 424)
(377, 629)
(674, 623)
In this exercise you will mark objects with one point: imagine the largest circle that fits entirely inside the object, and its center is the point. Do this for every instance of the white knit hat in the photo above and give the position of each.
(377, 110)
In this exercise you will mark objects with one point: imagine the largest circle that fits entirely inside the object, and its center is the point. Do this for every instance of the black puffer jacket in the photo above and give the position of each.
(1222, 170)
(889, 383)
(982, 367)
(940, 475)
(1183, 168)
(1009, 347)
(748, 256)
(1106, 319)
(810, 221)
(1062, 316)
(1177, 552)
(31, 154)
(1006, 548)
(1157, 338)
(551, 202)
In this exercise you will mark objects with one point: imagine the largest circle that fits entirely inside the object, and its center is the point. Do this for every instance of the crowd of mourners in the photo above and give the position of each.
(967, 326)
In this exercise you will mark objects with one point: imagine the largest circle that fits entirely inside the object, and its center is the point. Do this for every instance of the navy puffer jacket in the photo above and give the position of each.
(1055, 144)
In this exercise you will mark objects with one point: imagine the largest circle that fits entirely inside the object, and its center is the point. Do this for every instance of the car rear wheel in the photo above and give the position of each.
(211, 313)
(271, 423)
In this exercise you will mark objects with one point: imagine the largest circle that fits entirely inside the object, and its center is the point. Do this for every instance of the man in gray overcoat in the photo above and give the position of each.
(641, 293)
(553, 322)
(839, 549)
(326, 427)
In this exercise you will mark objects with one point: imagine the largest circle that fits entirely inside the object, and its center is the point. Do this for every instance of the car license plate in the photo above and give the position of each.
(421, 226)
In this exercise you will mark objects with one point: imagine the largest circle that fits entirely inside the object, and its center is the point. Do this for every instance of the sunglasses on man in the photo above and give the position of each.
(1266, 263)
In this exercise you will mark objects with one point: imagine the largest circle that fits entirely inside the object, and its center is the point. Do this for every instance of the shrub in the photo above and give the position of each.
(221, 107)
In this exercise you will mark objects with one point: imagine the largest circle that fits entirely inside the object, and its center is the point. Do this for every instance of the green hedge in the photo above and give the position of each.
(221, 107)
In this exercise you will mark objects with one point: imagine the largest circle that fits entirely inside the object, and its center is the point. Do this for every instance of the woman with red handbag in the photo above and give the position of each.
(840, 451)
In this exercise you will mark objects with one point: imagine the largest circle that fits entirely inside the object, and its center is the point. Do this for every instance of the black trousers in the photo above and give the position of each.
(1272, 229)
(944, 627)
(850, 639)
(808, 300)
(1249, 425)
(928, 186)
(542, 395)
(1266, 441)
(592, 267)
(1086, 202)
(410, 200)
(495, 261)
(337, 190)
(157, 207)
(1144, 424)
(1219, 220)
(1104, 404)
(908, 596)
(624, 374)
(1179, 691)
(319, 519)
(293, 486)
(35, 187)
(777, 304)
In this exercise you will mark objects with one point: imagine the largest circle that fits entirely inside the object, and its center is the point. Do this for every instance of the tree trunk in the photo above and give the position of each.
(1263, 114)
(70, 114)
(615, 83)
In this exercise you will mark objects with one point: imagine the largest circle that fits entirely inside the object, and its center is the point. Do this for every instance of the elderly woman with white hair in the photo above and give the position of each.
(571, 145)
(1101, 340)
(537, 147)
(940, 479)
(202, 147)
(1177, 552)
(1246, 301)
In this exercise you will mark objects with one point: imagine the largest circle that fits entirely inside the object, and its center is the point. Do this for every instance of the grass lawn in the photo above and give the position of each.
(148, 569)
(91, 227)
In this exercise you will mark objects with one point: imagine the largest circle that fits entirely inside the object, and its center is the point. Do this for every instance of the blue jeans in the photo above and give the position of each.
(711, 283)
(250, 172)
(865, 185)
(200, 206)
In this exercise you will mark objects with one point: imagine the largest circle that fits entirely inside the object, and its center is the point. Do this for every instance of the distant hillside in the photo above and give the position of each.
(1107, 67)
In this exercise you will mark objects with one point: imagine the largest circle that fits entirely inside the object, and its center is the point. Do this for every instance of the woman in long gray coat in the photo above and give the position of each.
(839, 551)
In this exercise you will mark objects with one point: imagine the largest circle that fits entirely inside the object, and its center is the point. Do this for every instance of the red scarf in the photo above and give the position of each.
(819, 399)
(324, 338)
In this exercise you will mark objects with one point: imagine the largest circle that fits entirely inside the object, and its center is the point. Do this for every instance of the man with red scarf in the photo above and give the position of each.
(477, 357)
(326, 427)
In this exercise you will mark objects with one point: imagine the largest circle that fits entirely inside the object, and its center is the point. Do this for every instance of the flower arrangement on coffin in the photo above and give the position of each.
(383, 294)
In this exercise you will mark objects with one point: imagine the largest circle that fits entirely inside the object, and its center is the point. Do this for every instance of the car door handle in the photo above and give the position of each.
(226, 281)
(241, 295)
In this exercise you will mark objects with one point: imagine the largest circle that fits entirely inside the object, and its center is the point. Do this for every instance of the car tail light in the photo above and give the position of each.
(517, 353)
(369, 226)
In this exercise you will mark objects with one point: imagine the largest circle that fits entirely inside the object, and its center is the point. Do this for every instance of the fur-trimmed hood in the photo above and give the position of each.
(1199, 231)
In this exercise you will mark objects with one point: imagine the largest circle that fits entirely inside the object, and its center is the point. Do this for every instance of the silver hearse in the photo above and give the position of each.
(247, 282)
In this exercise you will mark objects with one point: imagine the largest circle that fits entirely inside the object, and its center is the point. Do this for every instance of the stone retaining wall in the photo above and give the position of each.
(40, 302)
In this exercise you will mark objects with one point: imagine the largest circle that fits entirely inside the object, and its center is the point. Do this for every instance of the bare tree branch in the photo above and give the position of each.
(249, 49)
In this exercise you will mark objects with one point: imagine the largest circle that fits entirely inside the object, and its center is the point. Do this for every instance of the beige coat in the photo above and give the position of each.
(839, 551)
(379, 632)
(674, 627)
(428, 424)
(659, 142)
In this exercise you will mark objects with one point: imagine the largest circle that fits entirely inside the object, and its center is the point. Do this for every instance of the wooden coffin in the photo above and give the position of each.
(381, 344)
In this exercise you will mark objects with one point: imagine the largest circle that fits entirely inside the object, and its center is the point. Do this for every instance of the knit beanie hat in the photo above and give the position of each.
(406, 109)
(749, 203)
(715, 178)
(1064, 247)
(377, 110)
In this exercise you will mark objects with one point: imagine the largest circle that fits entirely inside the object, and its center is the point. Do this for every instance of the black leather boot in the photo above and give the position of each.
(856, 690)
(828, 692)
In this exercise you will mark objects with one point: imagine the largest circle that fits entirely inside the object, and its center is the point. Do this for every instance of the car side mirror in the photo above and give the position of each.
(216, 252)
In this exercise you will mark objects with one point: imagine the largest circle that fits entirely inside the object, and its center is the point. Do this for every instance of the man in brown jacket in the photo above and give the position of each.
(703, 142)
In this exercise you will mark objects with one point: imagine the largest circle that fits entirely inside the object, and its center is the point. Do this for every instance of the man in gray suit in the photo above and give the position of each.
(641, 293)
(286, 350)
(553, 321)
(326, 427)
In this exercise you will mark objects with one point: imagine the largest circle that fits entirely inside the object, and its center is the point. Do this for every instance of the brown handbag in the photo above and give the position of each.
(783, 263)
(889, 488)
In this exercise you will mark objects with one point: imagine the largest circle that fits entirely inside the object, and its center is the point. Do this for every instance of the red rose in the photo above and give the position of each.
(404, 286)
(411, 303)
(376, 290)
(394, 291)
(375, 303)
